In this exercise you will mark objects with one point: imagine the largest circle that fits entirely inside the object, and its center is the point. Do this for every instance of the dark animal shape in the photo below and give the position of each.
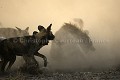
(26, 46)
(70, 46)
(11, 32)
(73, 38)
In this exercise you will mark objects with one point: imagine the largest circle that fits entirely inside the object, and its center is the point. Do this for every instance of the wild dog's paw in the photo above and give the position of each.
(45, 63)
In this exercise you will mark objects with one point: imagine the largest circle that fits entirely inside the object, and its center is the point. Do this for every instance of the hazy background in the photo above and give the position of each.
(101, 18)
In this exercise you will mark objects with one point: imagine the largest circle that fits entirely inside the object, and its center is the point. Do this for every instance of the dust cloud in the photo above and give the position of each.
(101, 18)
(71, 57)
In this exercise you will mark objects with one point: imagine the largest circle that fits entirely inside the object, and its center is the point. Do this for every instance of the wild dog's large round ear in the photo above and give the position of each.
(49, 27)
(27, 29)
(35, 32)
(40, 27)
(18, 29)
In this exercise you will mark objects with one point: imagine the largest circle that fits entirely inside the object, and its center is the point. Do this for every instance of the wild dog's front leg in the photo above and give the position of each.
(30, 60)
(44, 58)
(31, 65)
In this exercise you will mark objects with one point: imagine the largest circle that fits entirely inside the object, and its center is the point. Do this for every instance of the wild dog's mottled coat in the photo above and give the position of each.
(26, 46)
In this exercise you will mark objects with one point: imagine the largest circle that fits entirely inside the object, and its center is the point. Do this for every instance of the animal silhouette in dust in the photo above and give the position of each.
(72, 48)
(26, 46)
(11, 32)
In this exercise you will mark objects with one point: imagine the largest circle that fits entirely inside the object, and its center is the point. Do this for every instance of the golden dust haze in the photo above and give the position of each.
(101, 18)
(96, 14)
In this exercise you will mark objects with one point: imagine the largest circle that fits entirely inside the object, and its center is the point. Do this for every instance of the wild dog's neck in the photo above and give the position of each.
(40, 35)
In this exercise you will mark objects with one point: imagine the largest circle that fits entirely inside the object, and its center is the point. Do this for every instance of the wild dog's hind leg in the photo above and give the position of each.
(1, 62)
(44, 58)
(11, 62)
(4, 63)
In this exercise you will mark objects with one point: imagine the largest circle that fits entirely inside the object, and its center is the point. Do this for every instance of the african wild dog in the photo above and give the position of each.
(26, 46)
(11, 32)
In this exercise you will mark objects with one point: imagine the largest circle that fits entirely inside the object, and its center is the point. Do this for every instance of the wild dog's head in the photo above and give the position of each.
(50, 35)
(22, 32)
(47, 33)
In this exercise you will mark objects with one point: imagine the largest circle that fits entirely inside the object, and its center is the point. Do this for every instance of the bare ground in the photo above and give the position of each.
(47, 75)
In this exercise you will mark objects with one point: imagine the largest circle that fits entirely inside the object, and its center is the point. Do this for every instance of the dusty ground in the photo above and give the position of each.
(105, 75)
